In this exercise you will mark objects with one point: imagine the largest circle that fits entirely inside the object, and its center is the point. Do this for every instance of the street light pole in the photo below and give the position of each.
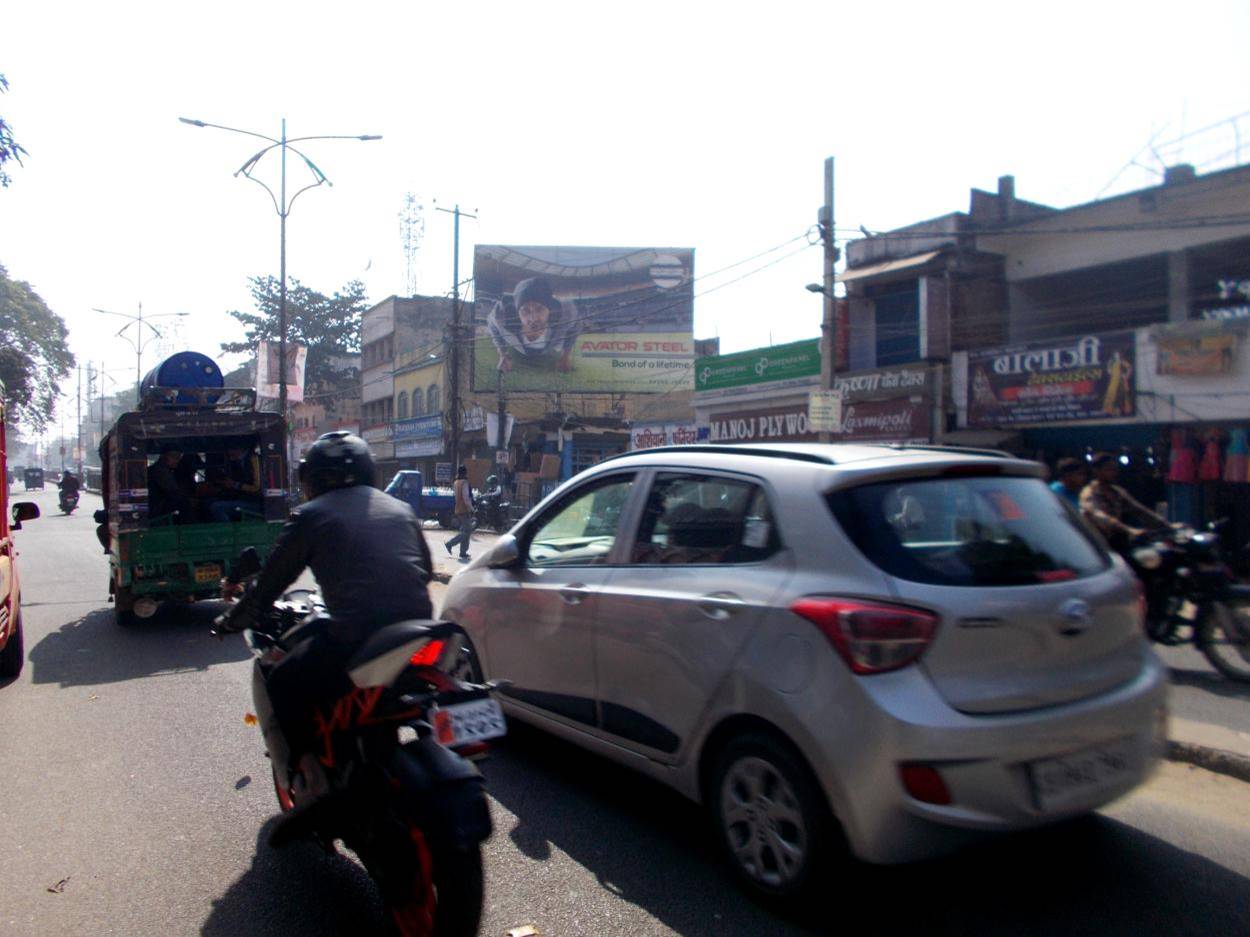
(138, 341)
(283, 208)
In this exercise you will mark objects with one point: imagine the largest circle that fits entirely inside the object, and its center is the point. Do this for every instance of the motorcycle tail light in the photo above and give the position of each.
(428, 656)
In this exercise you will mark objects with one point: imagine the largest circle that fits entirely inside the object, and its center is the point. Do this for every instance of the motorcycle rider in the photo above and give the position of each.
(372, 566)
(1109, 507)
(68, 485)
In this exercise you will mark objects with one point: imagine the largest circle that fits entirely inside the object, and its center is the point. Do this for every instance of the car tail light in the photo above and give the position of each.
(428, 656)
(871, 638)
(925, 783)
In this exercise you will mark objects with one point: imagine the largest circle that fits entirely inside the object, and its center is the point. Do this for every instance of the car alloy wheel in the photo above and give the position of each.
(763, 823)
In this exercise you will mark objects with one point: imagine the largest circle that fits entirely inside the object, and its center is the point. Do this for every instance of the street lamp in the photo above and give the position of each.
(139, 342)
(283, 207)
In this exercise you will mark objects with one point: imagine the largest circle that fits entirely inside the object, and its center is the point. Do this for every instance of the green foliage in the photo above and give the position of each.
(34, 355)
(328, 325)
(10, 149)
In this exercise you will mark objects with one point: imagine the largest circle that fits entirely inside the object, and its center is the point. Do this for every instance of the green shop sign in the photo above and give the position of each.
(759, 366)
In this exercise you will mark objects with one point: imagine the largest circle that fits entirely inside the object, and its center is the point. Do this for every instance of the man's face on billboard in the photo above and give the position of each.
(534, 318)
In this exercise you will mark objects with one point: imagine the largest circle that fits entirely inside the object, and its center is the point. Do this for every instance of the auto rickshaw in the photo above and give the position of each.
(183, 555)
(34, 479)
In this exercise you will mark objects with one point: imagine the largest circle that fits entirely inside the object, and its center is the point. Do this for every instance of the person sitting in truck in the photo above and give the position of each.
(240, 480)
(166, 493)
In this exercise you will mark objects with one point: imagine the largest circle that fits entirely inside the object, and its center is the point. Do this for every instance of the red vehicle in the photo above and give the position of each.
(11, 658)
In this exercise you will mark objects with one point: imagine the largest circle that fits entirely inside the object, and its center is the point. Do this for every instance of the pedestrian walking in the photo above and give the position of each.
(464, 513)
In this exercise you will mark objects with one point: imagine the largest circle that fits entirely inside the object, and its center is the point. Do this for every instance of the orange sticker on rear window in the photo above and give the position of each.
(1005, 506)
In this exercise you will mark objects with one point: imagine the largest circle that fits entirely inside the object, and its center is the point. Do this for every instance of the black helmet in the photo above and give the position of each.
(336, 460)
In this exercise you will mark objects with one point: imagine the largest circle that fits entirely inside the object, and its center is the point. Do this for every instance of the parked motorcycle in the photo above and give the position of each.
(403, 795)
(1191, 596)
(68, 501)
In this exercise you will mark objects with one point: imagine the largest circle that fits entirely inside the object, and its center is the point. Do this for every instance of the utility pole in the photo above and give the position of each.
(829, 325)
(453, 401)
(78, 448)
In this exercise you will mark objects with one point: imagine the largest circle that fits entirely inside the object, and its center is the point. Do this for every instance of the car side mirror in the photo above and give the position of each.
(506, 554)
(24, 511)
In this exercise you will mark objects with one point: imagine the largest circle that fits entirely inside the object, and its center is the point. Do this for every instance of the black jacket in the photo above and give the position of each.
(366, 550)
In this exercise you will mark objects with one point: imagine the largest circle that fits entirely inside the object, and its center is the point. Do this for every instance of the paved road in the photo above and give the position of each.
(128, 775)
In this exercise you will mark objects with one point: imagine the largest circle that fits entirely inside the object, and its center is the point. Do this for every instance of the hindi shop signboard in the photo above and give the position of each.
(652, 435)
(1089, 377)
(898, 419)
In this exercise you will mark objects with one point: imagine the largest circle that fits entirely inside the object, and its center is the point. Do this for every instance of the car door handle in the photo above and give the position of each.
(720, 605)
(573, 594)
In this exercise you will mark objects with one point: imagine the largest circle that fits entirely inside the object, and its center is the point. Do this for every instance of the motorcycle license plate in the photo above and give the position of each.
(1081, 778)
(474, 721)
(209, 572)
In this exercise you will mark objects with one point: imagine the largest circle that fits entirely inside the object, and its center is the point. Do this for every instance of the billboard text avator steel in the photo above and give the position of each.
(583, 319)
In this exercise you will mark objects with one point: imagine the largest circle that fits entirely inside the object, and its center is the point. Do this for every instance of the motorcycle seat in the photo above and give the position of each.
(386, 652)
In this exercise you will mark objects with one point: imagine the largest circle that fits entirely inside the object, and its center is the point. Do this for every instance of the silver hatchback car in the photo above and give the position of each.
(883, 648)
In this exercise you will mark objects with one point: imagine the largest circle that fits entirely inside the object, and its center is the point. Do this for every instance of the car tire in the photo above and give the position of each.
(12, 657)
(771, 819)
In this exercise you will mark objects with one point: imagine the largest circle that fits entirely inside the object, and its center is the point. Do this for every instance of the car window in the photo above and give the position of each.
(701, 519)
(582, 528)
(968, 531)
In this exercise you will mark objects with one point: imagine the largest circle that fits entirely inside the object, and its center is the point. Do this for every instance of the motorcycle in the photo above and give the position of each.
(395, 748)
(493, 511)
(1191, 596)
(68, 501)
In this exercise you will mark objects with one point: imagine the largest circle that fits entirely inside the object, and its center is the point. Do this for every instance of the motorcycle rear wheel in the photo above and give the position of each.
(1223, 636)
(445, 894)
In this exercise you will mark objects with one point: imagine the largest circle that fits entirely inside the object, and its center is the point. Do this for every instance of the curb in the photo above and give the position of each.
(1217, 760)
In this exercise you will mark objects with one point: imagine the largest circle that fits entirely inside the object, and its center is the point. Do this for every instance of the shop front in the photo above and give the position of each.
(1172, 402)
(419, 444)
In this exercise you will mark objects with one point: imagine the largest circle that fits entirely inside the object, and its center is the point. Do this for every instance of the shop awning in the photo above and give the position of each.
(889, 266)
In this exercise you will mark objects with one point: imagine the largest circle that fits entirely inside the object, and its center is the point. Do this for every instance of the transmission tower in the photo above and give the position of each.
(411, 231)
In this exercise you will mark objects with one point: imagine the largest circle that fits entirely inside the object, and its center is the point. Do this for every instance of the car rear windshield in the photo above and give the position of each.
(992, 531)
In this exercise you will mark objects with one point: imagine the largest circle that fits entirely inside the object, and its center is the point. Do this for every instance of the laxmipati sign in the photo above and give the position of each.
(1082, 378)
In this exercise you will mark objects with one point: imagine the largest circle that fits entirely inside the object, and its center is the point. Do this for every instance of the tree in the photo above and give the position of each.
(10, 149)
(328, 325)
(34, 356)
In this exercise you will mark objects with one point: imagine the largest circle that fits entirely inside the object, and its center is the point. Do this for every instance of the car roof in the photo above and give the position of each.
(854, 460)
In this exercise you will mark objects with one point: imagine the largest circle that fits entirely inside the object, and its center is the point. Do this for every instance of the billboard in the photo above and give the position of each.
(269, 374)
(794, 364)
(583, 319)
(1089, 377)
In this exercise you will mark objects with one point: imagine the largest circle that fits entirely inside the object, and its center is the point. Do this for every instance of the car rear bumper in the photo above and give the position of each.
(987, 762)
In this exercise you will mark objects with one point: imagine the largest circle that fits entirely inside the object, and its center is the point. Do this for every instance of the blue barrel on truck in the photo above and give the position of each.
(185, 369)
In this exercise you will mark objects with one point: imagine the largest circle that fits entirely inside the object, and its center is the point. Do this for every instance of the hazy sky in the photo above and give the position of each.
(640, 124)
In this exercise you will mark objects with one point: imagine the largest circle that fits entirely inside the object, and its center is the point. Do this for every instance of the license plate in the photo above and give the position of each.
(1079, 779)
(474, 721)
(209, 572)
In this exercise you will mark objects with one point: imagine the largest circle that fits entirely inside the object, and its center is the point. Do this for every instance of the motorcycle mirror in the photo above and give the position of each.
(249, 563)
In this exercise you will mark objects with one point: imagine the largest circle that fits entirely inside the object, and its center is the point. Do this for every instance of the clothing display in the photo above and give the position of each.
(1237, 461)
(1209, 469)
(1183, 465)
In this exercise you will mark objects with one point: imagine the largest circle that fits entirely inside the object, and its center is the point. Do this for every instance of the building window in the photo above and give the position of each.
(898, 325)
(401, 406)
(432, 402)
(418, 405)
